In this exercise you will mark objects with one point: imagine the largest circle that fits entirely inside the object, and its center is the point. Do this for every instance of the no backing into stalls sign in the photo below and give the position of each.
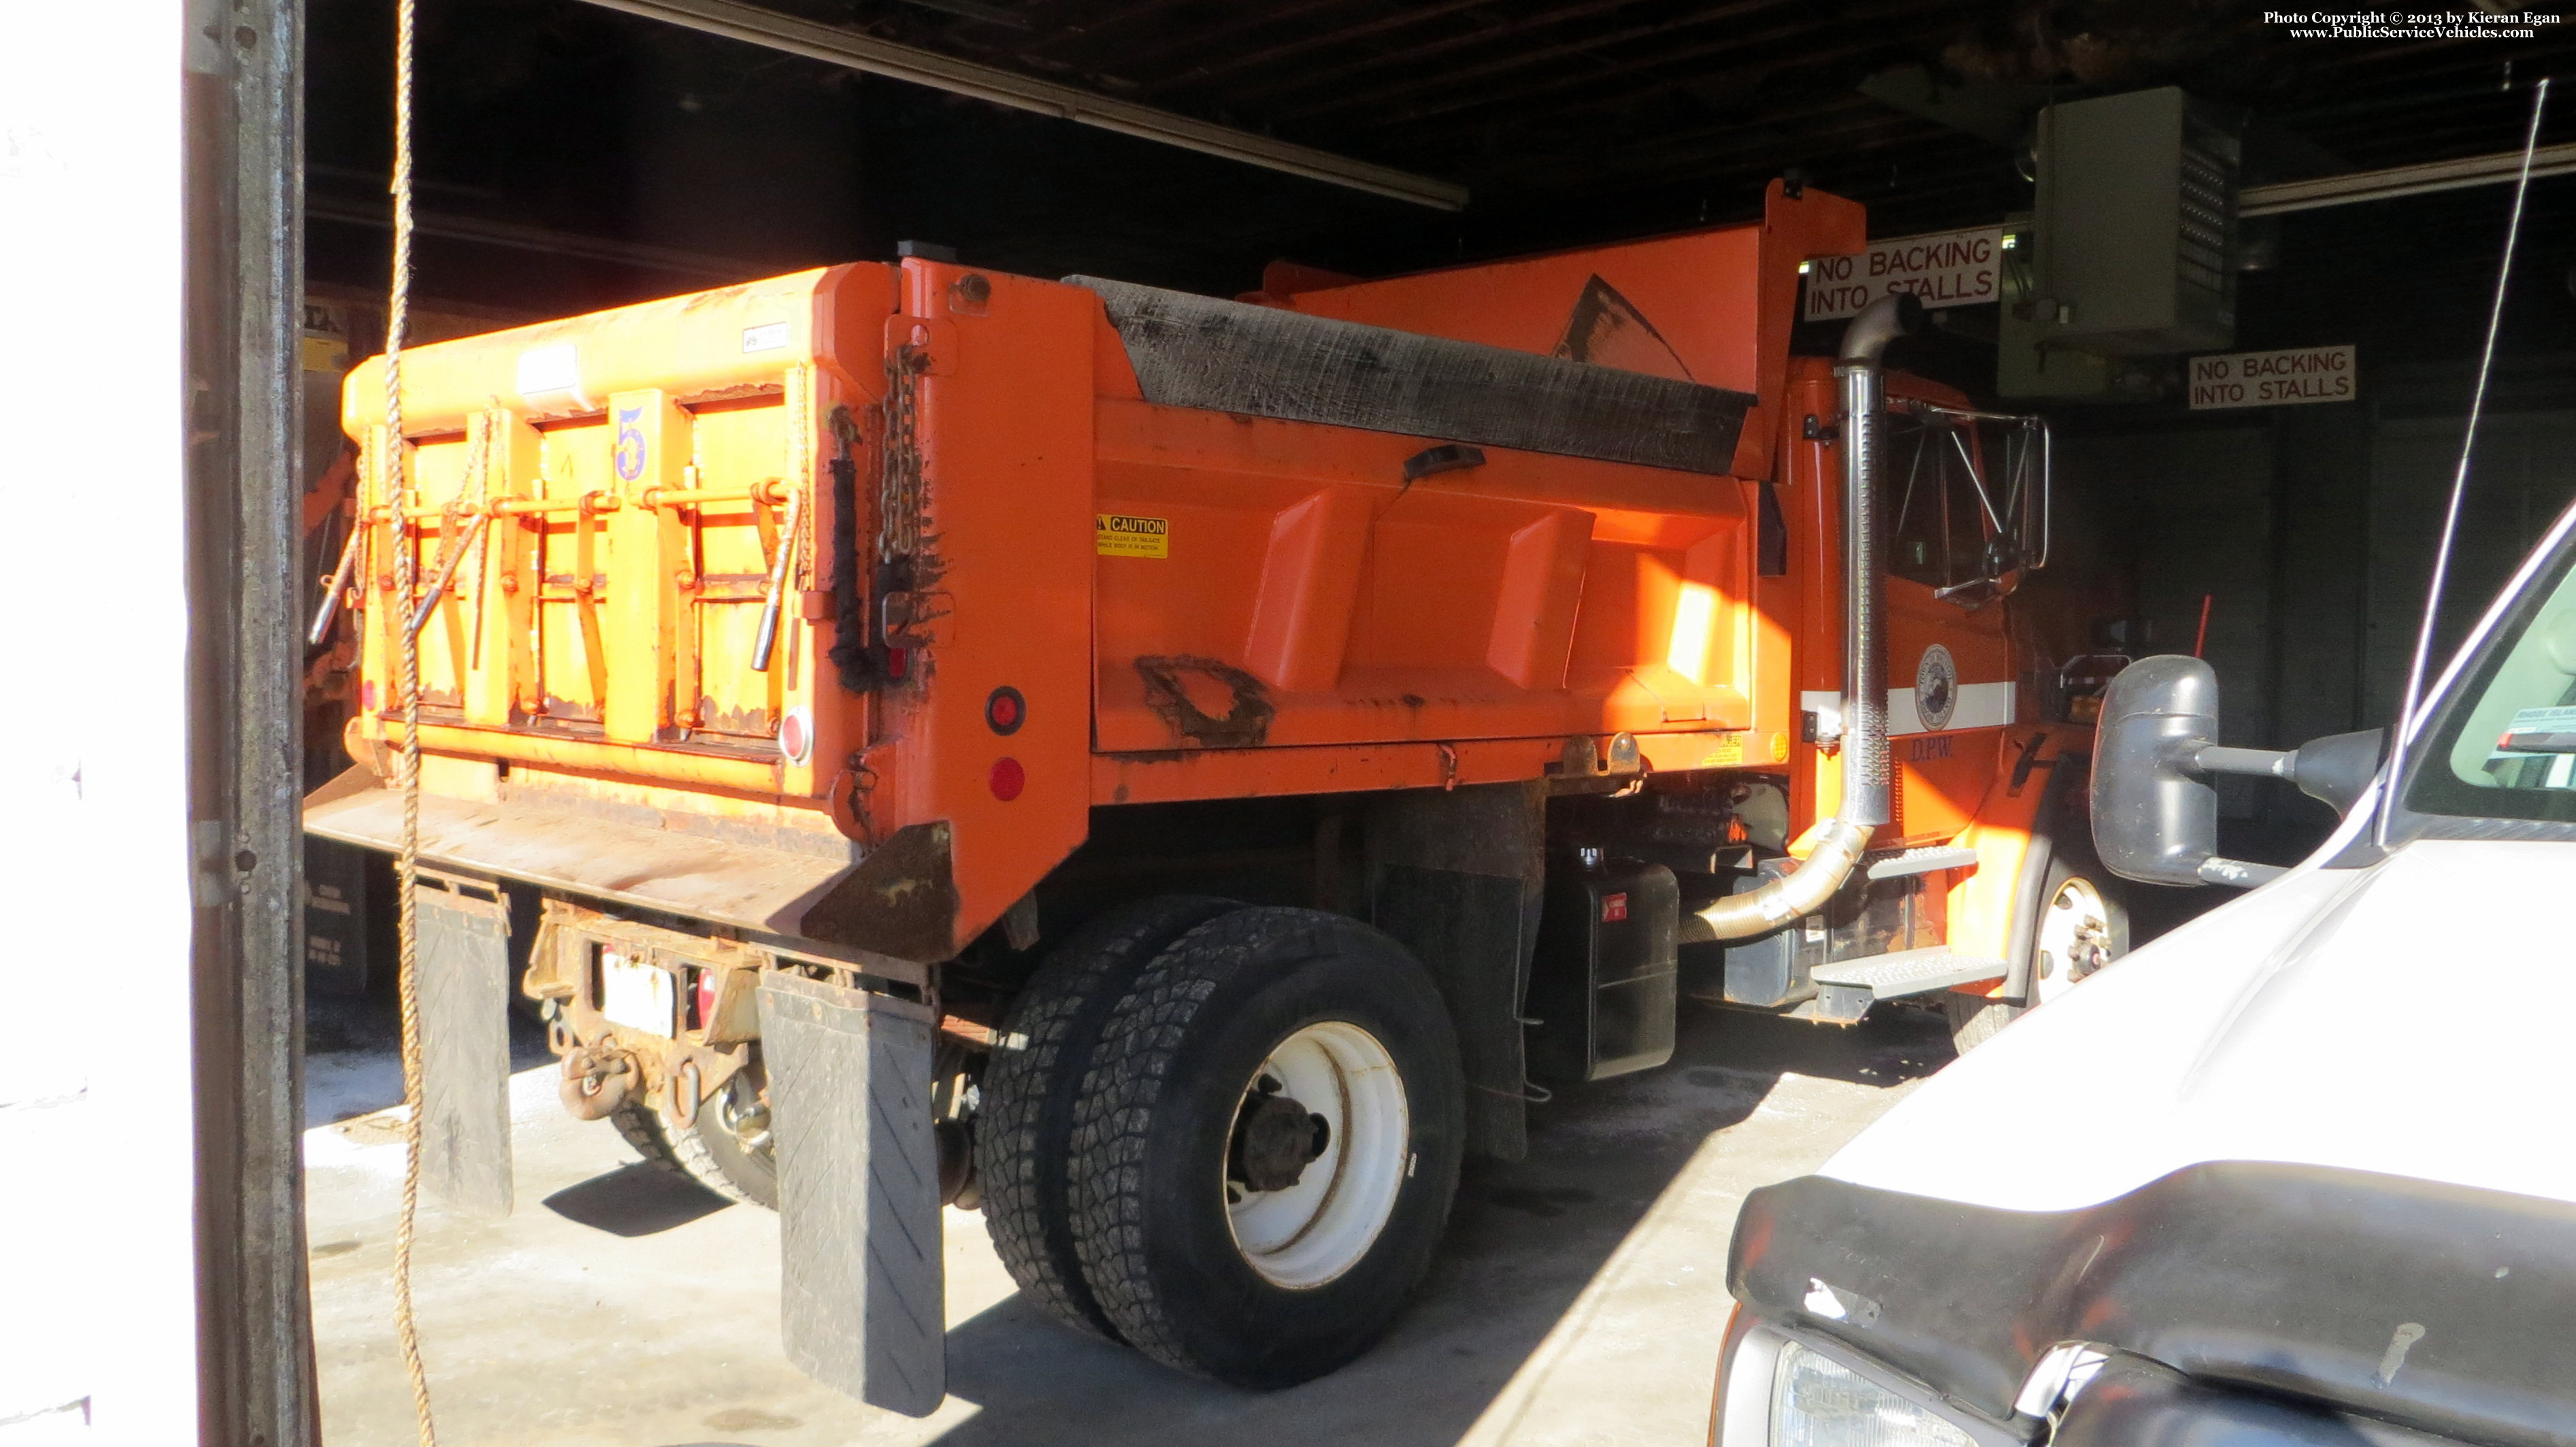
(2274, 379)
(1955, 268)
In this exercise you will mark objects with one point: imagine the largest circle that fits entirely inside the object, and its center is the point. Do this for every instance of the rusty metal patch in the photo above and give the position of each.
(1245, 724)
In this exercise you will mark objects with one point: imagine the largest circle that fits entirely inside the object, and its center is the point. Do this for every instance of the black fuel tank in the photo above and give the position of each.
(1603, 986)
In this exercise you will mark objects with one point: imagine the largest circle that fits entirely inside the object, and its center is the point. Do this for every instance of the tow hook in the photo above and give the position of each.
(596, 1081)
(750, 1127)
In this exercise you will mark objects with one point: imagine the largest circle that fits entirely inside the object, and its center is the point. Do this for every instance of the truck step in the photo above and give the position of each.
(1923, 861)
(1908, 972)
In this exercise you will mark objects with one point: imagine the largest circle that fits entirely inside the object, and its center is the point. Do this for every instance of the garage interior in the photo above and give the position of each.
(575, 158)
(578, 156)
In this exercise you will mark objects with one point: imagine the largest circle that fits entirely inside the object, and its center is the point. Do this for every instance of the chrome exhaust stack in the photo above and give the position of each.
(1867, 782)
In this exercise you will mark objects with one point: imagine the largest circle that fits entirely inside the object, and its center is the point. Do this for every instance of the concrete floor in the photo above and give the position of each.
(1578, 1302)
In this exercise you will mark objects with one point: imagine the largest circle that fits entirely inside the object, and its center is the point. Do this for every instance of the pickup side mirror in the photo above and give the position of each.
(2155, 817)
(2155, 813)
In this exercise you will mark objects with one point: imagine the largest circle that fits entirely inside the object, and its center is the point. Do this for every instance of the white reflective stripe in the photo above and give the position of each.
(1980, 706)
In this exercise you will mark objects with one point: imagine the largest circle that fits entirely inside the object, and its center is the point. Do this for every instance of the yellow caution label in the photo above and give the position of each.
(1729, 752)
(1124, 535)
(325, 354)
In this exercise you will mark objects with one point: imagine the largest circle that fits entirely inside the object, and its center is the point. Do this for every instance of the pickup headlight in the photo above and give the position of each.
(1818, 1402)
(1779, 1387)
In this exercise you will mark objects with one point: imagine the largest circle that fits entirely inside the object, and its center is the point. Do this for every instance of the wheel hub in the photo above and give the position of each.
(2074, 940)
(1275, 1139)
(1320, 1150)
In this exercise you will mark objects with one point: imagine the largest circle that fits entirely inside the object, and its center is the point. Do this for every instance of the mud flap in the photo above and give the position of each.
(862, 1300)
(1458, 876)
(465, 1044)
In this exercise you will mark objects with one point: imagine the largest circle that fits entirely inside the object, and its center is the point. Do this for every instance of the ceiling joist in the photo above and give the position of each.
(755, 25)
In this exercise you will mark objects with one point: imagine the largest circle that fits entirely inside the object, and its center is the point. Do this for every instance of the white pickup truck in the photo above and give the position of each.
(2301, 1172)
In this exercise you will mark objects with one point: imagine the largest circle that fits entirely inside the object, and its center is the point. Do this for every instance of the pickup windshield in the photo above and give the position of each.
(2503, 745)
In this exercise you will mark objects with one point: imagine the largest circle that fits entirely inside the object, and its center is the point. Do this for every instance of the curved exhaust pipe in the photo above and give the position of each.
(1866, 780)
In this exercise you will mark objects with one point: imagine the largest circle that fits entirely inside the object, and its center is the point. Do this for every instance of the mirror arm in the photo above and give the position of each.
(2262, 763)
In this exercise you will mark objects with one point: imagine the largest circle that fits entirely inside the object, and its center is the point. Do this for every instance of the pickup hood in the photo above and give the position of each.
(2314, 1144)
(2409, 1019)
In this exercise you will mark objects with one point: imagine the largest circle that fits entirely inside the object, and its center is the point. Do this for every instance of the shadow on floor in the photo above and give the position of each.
(353, 1054)
(641, 1199)
(1524, 1241)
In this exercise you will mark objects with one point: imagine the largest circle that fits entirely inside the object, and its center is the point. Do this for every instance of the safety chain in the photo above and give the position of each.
(899, 470)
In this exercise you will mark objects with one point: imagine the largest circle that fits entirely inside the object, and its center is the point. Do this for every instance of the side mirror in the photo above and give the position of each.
(2155, 815)
(2155, 818)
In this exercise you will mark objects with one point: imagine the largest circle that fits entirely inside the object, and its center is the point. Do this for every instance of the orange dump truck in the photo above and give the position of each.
(1176, 771)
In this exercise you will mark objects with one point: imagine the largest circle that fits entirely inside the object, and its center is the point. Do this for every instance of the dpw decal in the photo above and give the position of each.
(1936, 688)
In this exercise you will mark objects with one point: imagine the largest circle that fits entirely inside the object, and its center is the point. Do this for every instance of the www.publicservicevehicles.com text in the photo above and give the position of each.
(2409, 25)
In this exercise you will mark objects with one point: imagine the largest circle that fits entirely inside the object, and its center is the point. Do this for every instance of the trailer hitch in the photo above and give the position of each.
(597, 1079)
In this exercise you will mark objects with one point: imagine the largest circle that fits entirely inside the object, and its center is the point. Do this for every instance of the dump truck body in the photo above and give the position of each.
(878, 626)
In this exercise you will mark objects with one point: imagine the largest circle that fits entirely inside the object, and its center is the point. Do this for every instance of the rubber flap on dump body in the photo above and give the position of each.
(2155, 817)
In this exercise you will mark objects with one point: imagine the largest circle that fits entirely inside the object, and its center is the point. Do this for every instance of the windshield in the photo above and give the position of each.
(2503, 745)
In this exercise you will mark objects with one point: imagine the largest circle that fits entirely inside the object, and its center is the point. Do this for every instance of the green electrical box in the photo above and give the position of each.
(2135, 227)
(2031, 363)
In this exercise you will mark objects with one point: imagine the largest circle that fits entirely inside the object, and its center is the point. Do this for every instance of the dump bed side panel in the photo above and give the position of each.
(1294, 588)
(1712, 306)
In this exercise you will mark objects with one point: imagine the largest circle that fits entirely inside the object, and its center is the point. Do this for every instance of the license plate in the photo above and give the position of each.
(637, 995)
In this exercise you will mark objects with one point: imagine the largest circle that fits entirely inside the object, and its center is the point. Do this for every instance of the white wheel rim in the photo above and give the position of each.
(2073, 940)
(1305, 1235)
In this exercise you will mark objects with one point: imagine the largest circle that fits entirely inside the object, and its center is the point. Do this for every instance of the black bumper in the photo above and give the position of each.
(2444, 1308)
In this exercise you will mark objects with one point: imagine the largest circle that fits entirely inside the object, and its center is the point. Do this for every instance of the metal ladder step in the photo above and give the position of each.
(1923, 861)
(1908, 972)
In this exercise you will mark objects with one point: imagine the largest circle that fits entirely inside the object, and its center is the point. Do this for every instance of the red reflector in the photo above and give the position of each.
(795, 735)
(1004, 710)
(1008, 779)
(898, 662)
(1614, 908)
(705, 1000)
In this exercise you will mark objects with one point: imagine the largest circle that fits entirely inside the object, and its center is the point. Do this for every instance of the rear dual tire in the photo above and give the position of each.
(1259, 1147)
(707, 1148)
(1165, 1224)
(1024, 1127)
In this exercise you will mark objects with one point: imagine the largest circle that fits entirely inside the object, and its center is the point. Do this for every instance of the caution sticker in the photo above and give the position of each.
(1124, 535)
(1729, 751)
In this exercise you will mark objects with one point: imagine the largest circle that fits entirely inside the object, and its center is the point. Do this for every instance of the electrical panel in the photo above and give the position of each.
(2032, 364)
(2134, 227)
